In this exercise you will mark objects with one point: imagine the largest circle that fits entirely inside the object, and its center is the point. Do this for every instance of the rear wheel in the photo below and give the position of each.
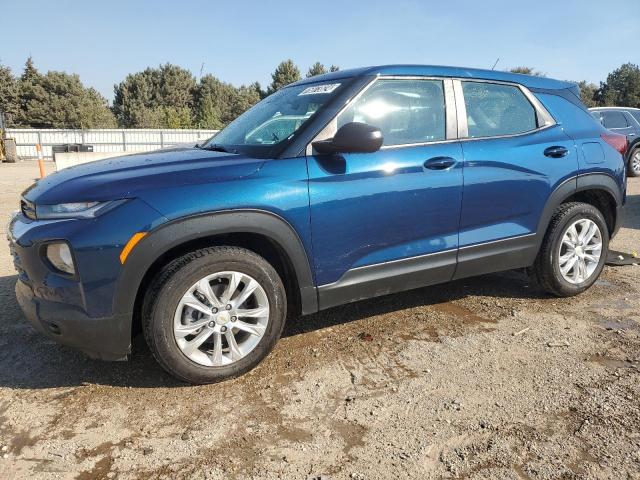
(573, 251)
(214, 314)
(634, 163)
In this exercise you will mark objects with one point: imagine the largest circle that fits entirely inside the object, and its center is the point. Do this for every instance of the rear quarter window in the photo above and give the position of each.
(495, 110)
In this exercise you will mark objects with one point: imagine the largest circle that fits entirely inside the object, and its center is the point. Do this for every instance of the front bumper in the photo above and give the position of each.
(102, 338)
(71, 310)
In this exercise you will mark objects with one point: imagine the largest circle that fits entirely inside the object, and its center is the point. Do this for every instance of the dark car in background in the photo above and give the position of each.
(625, 121)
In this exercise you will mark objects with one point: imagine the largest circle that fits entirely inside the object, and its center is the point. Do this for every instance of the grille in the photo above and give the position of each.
(28, 209)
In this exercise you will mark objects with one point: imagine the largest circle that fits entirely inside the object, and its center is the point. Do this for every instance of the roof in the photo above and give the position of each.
(530, 81)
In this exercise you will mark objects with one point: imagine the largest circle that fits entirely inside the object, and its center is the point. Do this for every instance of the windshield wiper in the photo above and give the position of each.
(214, 147)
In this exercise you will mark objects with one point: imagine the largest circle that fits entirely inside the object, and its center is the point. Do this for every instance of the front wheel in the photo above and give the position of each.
(214, 314)
(573, 251)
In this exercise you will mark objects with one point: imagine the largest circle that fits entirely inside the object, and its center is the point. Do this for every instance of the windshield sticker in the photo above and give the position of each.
(319, 89)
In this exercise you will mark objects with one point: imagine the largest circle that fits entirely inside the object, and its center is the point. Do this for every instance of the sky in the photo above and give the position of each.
(242, 41)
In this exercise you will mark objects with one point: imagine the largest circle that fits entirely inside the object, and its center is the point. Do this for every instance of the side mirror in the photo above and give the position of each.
(352, 137)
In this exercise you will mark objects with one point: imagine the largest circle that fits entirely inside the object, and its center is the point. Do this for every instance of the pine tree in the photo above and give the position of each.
(9, 95)
(622, 87)
(316, 69)
(285, 73)
(156, 98)
(30, 72)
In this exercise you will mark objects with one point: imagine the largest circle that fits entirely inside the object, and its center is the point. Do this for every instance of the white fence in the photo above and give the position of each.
(103, 140)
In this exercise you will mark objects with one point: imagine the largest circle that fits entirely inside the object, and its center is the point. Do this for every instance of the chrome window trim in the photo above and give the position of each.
(421, 144)
(461, 109)
(456, 128)
(451, 128)
(450, 117)
(544, 119)
(511, 135)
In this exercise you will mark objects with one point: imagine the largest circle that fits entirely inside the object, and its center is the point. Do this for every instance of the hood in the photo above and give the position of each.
(123, 177)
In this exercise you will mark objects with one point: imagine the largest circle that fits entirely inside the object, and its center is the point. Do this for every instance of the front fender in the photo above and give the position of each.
(172, 234)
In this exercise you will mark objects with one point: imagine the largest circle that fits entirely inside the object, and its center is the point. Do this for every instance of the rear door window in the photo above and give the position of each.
(406, 111)
(614, 119)
(495, 110)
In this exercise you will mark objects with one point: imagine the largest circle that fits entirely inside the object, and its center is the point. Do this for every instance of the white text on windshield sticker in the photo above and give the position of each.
(319, 89)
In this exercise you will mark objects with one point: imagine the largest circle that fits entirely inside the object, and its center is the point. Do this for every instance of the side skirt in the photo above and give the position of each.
(498, 256)
(389, 277)
(415, 272)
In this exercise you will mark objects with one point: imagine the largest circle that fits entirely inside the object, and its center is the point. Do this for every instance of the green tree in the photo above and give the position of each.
(334, 68)
(59, 100)
(156, 98)
(588, 93)
(30, 72)
(285, 73)
(218, 103)
(316, 69)
(622, 87)
(256, 87)
(527, 71)
(9, 95)
(246, 97)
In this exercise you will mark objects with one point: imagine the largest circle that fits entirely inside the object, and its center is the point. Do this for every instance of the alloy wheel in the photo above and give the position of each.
(580, 251)
(221, 318)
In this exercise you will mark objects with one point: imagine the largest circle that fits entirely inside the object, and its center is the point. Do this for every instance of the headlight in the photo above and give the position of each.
(59, 255)
(74, 210)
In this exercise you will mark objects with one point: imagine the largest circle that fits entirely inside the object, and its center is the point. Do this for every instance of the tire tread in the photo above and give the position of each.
(164, 276)
(542, 267)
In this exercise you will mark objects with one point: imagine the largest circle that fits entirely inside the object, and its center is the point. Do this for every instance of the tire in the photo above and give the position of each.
(167, 294)
(633, 167)
(546, 269)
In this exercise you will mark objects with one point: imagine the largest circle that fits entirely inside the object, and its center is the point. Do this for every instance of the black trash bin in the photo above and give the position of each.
(70, 147)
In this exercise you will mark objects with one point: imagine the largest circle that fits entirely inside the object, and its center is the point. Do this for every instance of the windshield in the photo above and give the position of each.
(275, 119)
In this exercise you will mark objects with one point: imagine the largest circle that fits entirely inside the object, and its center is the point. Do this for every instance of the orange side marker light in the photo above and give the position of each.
(133, 241)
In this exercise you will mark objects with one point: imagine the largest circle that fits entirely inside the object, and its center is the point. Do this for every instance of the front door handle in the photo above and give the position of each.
(439, 163)
(556, 152)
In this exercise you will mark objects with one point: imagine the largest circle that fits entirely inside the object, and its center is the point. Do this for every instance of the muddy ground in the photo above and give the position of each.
(482, 378)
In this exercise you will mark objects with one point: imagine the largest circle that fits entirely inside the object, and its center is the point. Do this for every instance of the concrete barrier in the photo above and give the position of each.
(69, 159)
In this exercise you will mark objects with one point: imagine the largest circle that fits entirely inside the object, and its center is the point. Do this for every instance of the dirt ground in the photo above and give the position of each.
(482, 378)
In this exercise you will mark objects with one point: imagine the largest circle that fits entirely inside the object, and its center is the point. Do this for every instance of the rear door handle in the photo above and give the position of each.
(556, 152)
(439, 163)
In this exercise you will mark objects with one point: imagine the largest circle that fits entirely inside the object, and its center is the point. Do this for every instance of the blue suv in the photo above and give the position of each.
(337, 188)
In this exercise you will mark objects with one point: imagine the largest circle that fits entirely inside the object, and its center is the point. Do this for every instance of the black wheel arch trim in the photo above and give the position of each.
(573, 185)
(177, 232)
(600, 181)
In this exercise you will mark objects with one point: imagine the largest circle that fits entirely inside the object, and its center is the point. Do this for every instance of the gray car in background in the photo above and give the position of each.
(625, 121)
